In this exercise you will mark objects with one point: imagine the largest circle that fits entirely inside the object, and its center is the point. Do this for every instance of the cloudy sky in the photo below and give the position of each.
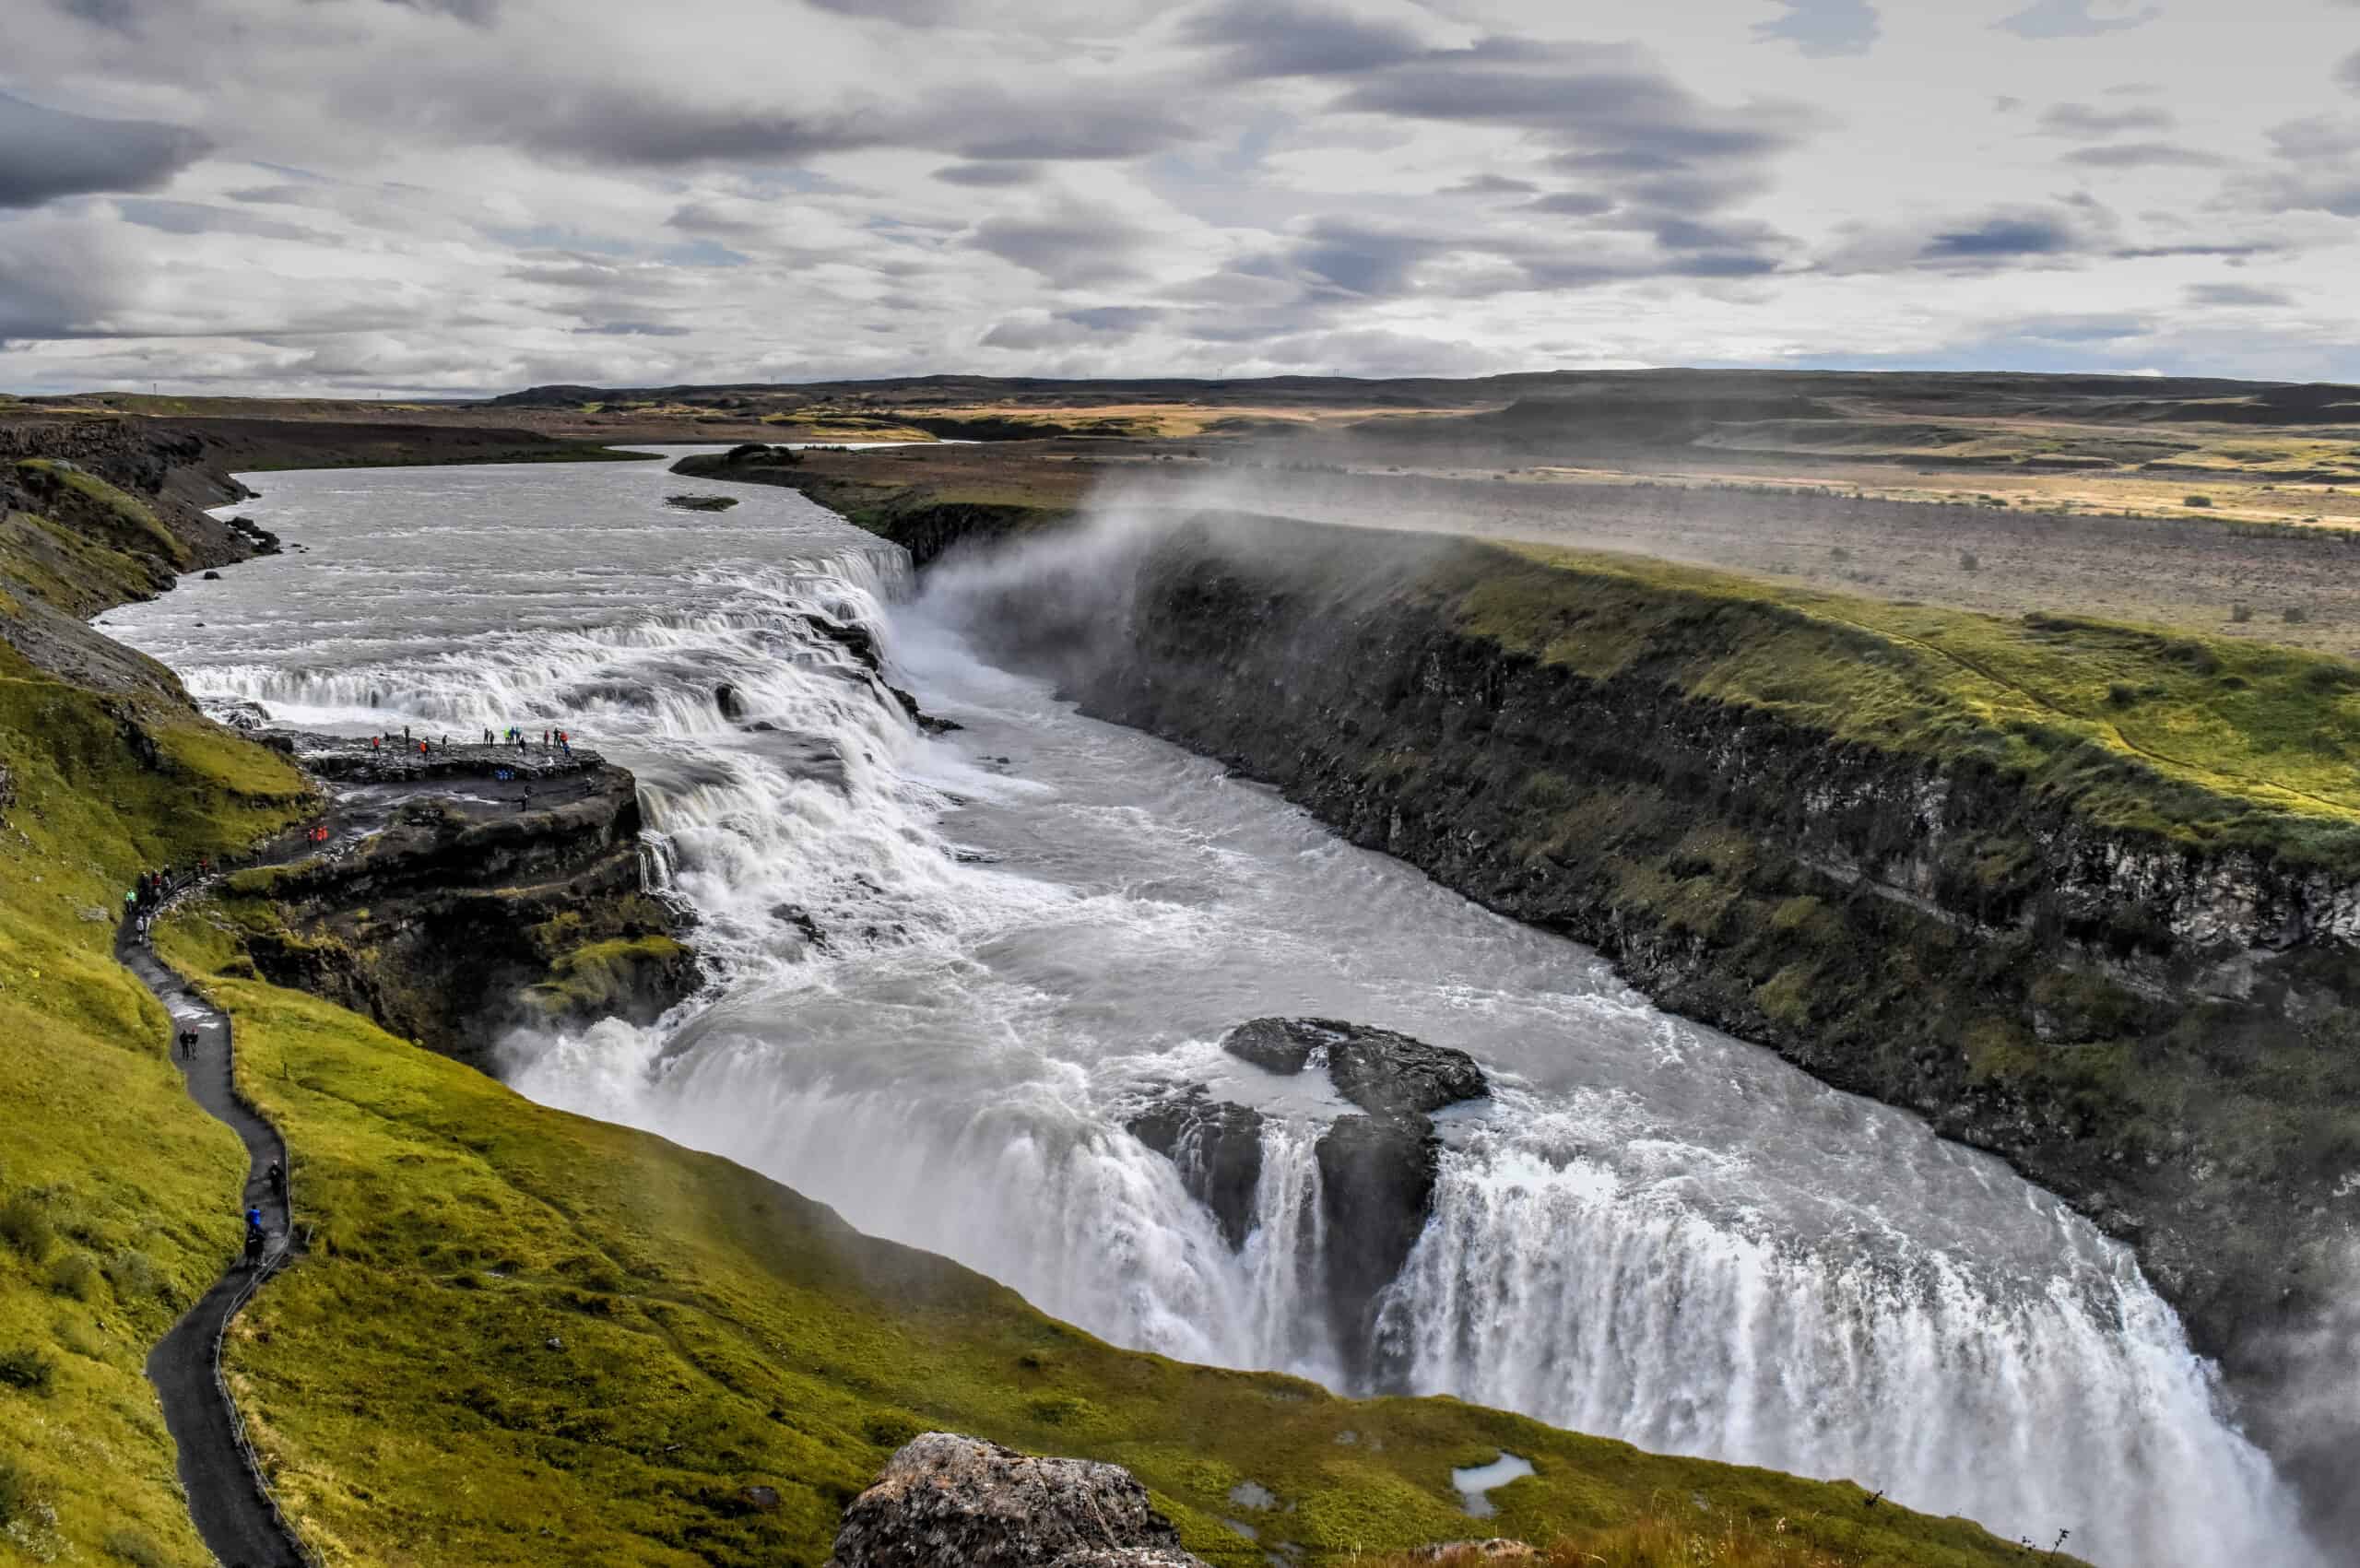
(419, 197)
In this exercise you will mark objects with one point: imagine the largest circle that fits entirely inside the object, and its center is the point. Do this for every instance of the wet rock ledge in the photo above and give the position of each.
(1377, 1169)
(451, 903)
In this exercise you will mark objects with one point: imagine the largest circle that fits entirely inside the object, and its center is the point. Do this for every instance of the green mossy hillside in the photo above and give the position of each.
(522, 1336)
(118, 1196)
(2208, 742)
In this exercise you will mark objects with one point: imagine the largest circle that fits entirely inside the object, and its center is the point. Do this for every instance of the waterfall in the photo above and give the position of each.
(951, 970)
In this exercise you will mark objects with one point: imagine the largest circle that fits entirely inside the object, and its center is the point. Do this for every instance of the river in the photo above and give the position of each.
(1026, 928)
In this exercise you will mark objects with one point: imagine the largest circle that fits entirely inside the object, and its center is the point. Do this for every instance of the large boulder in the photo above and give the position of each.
(950, 1502)
(1383, 1072)
(1218, 1149)
(1376, 1189)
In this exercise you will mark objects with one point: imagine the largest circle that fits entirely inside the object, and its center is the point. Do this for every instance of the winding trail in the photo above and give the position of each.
(231, 1505)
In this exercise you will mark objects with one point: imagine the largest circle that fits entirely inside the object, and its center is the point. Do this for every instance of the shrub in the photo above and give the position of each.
(135, 1548)
(2294, 615)
(2196, 501)
(74, 1275)
(2240, 613)
(15, 1491)
(27, 1369)
(1969, 561)
(2120, 694)
(24, 1225)
(134, 1274)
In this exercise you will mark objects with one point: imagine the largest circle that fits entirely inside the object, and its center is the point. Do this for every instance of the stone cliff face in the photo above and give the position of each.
(450, 922)
(2157, 1033)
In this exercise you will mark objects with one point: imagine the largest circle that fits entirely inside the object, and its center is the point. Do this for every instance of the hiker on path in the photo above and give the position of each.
(278, 1178)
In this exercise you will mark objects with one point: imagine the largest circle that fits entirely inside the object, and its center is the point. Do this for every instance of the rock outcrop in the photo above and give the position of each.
(1383, 1072)
(1376, 1171)
(1377, 1191)
(950, 1502)
(451, 905)
(1218, 1149)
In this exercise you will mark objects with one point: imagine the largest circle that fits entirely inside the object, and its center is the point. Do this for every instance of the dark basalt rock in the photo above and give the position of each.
(1381, 1071)
(452, 903)
(857, 641)
(924, 721)
(725, 699)
(1218, 1149)
(950, 1502)
(1377, 1182)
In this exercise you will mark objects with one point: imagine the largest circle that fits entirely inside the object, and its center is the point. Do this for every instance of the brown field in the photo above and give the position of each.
(2191, 572)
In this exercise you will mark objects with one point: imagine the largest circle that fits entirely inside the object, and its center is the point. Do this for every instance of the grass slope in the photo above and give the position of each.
(118, 1196)
(2201, 741)
(522, 1336)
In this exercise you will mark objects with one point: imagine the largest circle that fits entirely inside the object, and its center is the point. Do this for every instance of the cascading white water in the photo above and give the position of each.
(1027, 930)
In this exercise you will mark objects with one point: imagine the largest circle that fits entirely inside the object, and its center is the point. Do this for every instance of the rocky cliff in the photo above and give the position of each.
(451, 905)
(2136, 982)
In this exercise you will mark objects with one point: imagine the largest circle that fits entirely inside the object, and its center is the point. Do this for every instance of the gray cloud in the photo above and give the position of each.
(199, 218)
(2003, 235)
(1822, 28)
(1489, 186)
(2349, 72)
(2081, 120)
(1034, 332)
(58, 279)
(988, 175)
(1073, 247)
(2143, 155)
(1628, 131)
(633, 329)
(2073, 19)
(476, 13)
(1097, 124)
(2319, 171)
(1261, 39)
(2058, 234)
(115, 16)
(1113, 318)
(2100, 328)
(909, 12)
(2237, 296)
(1575, 204)
(2317, 138)
(47, 153)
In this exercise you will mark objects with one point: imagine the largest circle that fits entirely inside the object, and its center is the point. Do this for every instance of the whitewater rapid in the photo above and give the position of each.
(947, 969)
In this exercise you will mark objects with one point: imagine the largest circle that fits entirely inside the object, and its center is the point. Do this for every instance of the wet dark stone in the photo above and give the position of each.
(1217, 1147)
(1377, 1178)
(1381, 1071)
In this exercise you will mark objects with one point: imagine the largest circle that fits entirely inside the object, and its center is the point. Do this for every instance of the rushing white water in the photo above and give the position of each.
(1029, 927)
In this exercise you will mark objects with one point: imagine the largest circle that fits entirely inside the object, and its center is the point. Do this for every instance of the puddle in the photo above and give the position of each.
(1476, 1481)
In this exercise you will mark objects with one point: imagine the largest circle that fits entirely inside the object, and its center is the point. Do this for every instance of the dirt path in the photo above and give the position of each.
(226, 1498)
